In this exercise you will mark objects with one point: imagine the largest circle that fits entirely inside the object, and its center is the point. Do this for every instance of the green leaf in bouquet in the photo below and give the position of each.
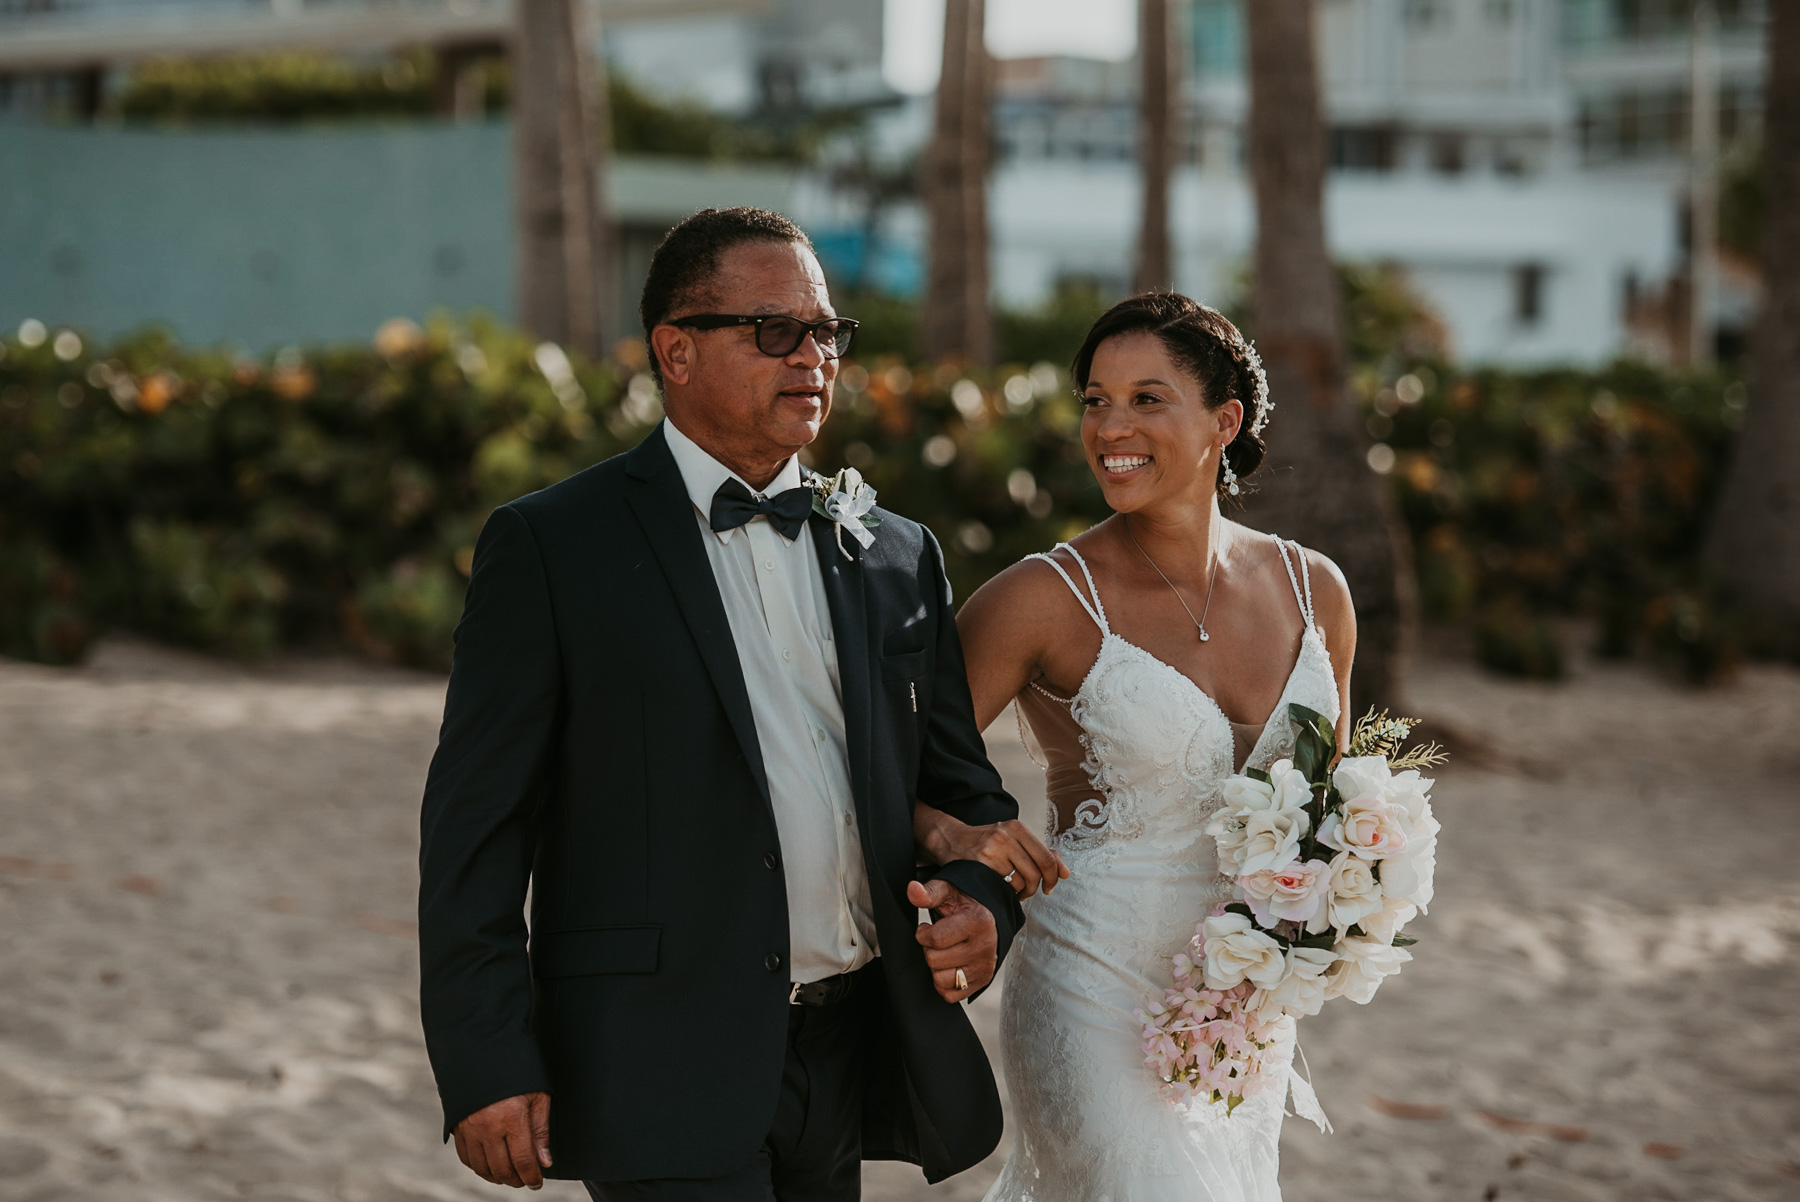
(1240, 908)
(1314, 744)
(1258, 774)
(1404, 941)
(1323, 940)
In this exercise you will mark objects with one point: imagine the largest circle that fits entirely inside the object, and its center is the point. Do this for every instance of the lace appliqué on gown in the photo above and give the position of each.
(1090, 1124)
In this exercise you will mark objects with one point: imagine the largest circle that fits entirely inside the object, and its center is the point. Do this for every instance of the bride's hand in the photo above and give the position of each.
(1009, 848)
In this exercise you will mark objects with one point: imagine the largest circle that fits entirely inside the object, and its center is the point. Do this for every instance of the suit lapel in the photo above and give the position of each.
(660, 501)
(850, 630)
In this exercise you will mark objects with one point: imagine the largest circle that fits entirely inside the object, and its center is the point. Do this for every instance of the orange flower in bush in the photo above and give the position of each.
(156, 392)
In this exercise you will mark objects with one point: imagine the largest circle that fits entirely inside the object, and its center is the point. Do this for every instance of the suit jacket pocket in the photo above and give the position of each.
(595, 950)
(909, 665)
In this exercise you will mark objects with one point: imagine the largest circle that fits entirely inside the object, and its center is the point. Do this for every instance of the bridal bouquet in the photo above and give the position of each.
(1330, 864)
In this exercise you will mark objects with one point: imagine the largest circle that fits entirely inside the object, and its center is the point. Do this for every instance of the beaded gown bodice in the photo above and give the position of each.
(1090, 1124)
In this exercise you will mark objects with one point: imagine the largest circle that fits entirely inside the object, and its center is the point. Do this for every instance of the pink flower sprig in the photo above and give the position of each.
(1205, 1043)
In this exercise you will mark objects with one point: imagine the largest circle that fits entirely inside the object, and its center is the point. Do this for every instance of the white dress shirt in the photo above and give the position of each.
(780, 620)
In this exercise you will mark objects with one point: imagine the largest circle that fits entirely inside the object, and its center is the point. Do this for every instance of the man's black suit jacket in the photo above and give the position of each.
(598, 745)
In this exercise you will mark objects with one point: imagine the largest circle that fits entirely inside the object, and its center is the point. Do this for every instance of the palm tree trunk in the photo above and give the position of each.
(956, 322)
(559, 133)
(1316, 485)
(1753, 548)
(1158, 124)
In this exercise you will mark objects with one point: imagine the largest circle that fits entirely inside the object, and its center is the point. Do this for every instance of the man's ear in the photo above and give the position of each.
(674, 350)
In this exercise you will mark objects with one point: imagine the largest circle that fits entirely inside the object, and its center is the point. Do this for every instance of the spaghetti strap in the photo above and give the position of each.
(1096, 610)
(1302, 593)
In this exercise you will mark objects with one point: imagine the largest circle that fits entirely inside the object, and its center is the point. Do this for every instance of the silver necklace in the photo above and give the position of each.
(1212, 579)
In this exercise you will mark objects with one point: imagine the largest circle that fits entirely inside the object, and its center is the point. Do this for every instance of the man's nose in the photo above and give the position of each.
(811, 351)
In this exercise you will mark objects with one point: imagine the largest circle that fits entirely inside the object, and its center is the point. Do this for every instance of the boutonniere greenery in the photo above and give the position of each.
(846, 501)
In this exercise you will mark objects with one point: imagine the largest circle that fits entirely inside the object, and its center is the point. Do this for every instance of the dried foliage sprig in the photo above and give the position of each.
(1379, 733)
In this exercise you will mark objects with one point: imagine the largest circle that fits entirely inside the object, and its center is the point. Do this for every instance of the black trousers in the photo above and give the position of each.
(814, 1149)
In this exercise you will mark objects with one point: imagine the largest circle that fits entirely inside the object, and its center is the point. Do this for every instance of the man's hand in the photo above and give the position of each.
(508, 1142)
(962, 936)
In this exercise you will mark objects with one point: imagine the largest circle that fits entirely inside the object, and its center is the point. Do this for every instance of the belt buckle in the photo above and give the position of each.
(794, 993)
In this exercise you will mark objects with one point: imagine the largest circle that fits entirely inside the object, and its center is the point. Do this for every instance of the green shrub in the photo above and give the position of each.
(315, 497)
(333, 496)
(1561, 492)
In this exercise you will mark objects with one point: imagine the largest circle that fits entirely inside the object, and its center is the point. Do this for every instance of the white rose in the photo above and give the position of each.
(1410, 876)
(1271, 839)
(1387, 922)
(1362, 776)
(1227, 830)
(1360, 967)
(1367, 826)
(1301, 990)
(1286, 789)
(1245, 793)
(1236, 951)
(1293, 893)
(1412, 793)
(1289, 785)
(1352, 893)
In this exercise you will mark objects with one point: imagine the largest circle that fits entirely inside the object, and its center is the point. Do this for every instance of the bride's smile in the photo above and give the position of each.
(1149, 434)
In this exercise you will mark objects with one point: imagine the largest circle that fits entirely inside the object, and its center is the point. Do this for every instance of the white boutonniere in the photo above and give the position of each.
(846, 501)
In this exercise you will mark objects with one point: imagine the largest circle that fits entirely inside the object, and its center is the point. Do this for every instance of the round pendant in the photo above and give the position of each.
(1205, 637)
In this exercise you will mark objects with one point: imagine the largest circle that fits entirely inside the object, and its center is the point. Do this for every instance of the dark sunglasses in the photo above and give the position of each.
(781, 336)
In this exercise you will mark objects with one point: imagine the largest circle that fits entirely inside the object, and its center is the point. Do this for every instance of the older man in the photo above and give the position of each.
(692, 713)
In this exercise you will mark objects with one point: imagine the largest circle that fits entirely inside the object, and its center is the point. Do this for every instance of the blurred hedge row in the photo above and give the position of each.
(332, 497)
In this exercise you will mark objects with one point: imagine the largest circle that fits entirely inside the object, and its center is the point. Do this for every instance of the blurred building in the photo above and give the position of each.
(772, 56)
(267, 235)
(1524, 160)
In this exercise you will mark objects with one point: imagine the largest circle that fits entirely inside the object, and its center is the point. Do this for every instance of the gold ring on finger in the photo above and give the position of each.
(962, 980)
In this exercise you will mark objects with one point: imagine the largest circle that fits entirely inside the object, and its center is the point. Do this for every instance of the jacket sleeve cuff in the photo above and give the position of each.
(989, 888)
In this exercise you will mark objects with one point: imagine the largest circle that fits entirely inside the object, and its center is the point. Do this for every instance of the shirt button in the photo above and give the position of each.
(769, 861)
(768, 565)
(819, 735)
(772, 962)
(848, 821)
(787, 653)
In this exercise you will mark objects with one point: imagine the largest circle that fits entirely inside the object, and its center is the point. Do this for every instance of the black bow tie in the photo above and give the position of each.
(733, 505)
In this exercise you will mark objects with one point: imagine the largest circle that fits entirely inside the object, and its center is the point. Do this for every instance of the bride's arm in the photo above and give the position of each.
(1336, 616)
(1001, 644)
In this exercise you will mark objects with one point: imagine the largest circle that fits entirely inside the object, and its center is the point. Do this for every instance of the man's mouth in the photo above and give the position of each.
(1119, 465)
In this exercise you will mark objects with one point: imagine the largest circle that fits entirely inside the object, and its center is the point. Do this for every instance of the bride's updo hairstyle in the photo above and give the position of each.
(1205, 345)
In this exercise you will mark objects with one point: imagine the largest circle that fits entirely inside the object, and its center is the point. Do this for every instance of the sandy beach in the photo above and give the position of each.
(208, 970)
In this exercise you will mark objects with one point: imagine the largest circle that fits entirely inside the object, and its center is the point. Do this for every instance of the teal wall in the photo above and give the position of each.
(255, 238)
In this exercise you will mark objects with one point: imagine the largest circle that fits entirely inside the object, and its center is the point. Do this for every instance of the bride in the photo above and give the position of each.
(1152, 657)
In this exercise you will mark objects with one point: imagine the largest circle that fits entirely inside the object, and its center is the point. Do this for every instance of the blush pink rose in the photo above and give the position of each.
(1292, 893)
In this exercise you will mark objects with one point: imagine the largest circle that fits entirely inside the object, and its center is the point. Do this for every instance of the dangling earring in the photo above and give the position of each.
(1231, 484)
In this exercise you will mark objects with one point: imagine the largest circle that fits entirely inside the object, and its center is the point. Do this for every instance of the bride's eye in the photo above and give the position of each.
(1149, 396)
(1088, 402)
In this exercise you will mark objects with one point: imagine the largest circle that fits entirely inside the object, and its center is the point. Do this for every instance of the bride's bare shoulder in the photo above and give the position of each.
(1332, 606)
(1029, 594)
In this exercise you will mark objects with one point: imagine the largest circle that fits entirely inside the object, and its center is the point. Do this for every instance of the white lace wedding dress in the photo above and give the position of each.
(1089, 1122)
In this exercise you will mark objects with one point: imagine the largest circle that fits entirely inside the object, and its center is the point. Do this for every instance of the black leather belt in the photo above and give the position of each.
(828, 992)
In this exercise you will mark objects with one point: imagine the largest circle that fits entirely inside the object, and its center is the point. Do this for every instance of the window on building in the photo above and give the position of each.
(1448, 154)
(1425, 15)
(1528, 294)
(1217, 31)
(1362, 148)
(1512, 160)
